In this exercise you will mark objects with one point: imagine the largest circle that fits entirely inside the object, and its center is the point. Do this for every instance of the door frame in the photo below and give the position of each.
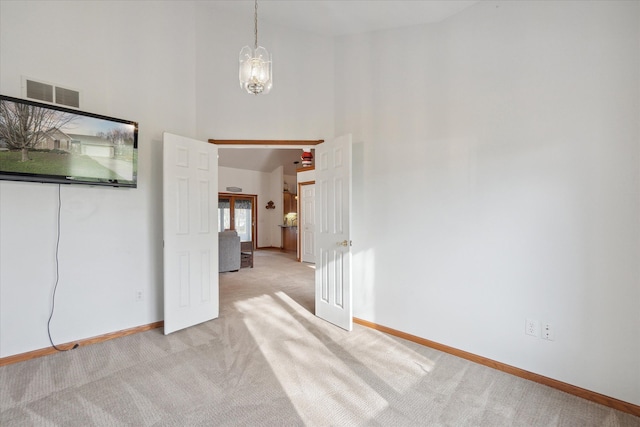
(280, 144)
(291, 144)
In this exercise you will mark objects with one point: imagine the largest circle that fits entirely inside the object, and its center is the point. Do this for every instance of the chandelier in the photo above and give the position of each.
(255, 64)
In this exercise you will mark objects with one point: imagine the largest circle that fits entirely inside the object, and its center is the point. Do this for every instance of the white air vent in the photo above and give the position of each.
(67, 97)
(39, 91)
(46, 92)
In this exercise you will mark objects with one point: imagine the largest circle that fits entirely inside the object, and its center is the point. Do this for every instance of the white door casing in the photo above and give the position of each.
(308, 214)
(333, 244)
(190, 189)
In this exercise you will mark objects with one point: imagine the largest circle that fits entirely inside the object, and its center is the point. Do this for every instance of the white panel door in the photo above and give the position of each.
(190, 190)
(308, 214)
(333, 244)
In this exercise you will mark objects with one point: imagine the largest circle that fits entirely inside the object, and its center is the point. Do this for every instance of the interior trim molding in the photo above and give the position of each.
(592, 396)
(265, 142)
(305, 168)
(81, 343)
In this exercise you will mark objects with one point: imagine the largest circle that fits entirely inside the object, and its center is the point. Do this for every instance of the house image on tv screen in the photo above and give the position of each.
(94, 146)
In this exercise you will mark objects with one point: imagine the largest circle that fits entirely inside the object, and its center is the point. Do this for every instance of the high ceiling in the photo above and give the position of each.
(328, 18)
(336, 18)
(260, 159)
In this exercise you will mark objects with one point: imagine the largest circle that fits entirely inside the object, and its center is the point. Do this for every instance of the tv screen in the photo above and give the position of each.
(48, 143)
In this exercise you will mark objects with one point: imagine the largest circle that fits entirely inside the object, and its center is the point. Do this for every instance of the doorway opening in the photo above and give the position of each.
(274, 269)
(189, 173)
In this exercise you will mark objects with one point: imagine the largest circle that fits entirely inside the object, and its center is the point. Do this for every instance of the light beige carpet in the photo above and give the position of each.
(268, 361)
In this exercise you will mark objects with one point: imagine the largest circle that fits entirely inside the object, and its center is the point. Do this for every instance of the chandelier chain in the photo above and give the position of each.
(255, 24)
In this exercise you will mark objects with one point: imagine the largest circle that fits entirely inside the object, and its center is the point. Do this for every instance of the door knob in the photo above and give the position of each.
(344, 243)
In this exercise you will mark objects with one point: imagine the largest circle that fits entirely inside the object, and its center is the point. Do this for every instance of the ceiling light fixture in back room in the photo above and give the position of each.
(255, 64)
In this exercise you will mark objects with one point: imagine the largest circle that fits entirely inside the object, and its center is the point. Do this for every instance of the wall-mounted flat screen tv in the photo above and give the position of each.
(47, 143)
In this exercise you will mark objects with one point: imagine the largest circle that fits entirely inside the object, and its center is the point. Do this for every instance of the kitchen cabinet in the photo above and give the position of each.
(290, 222)
(290, 239)
(289, 203)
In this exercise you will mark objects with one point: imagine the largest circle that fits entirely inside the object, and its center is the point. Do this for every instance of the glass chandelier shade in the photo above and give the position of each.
(255, 64)
(255, 70)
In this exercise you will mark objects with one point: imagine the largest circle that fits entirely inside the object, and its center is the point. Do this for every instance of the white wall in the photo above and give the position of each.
(128, 67)
(300, 105)
(498, 161)
(306, 176)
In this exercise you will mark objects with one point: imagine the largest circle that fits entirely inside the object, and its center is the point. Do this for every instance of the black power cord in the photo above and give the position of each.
(55, 287)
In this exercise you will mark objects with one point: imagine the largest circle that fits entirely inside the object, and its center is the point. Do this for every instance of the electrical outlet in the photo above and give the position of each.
(532, 327)
(139, 295)
(547, 331)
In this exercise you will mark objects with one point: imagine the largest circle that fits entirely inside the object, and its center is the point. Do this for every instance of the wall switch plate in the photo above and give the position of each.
(547, 332)
(532, 327)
